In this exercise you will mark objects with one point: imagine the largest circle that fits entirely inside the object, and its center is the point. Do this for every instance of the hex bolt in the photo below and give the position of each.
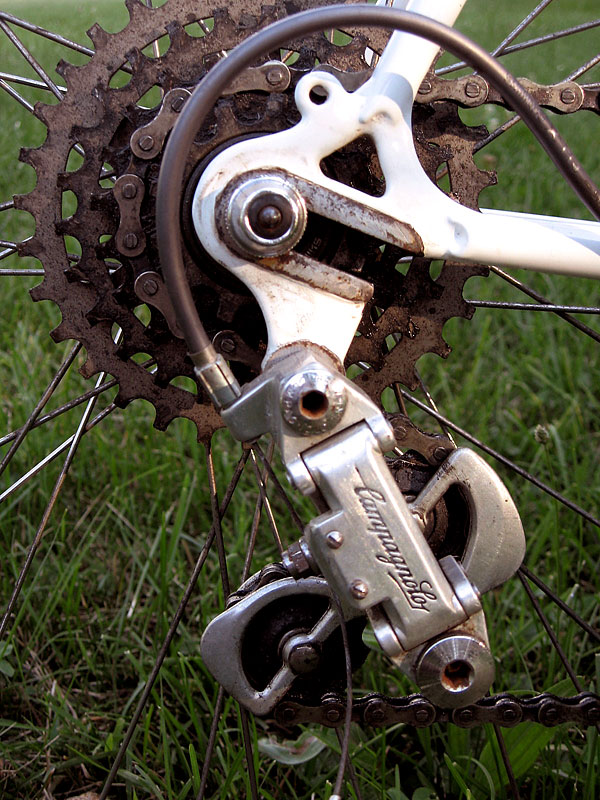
(472, 89)
(334, 539)
(303, 658)
(177, 104)
(568, 96)
(130, 241)
(150, 286)
(275, 75)
(146, 143)
(359, 589)
(129, 191)
(227, 346)
(425, 87)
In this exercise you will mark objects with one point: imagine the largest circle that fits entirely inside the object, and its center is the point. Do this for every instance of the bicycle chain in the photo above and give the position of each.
(505, 710)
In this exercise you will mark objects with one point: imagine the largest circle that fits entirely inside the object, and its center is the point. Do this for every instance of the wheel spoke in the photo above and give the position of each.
(560, 603)
(173, 627)
(74, 442)
(216, 517)
(515, 48)
(503, 460)
(584, 68)
(280, 490)
(66, 445)
(50, 389)
(33, 63)
(210, 745)
(544, 301)
(46, 34)
(533, 307)
(16, 96)
(20, 79)
(15, 273)
(6, 205)
(432, 404)
(551, 635)
(249, 753)
(507, 765)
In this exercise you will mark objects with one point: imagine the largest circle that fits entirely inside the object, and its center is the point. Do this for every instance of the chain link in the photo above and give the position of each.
(504, 710)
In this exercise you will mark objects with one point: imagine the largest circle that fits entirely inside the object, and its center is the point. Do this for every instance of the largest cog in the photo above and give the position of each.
(94, 289)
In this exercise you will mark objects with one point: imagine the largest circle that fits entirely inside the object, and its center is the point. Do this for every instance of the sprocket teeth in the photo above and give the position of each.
(40, 292)
(62, 332)
(88, 369)
(98, 36)
(68, 72)
(41, 110)
(32, 156)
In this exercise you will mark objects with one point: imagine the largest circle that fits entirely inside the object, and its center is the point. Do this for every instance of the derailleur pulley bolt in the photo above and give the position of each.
(359, 589)
(334, 539)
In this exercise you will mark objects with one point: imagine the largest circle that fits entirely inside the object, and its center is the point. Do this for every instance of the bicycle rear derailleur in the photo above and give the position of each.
(367, 549)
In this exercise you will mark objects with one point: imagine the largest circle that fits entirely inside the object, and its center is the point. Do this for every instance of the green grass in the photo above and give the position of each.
(135, 510)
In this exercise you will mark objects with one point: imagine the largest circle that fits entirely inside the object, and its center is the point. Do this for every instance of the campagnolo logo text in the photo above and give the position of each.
(417, 593)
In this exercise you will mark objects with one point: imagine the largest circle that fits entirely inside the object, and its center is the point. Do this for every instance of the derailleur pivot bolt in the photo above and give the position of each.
(266, 216)
(313, 401)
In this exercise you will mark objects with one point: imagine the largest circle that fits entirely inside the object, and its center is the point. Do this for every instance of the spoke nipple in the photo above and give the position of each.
(129, 191)
(472, 89)
(146, 143)
(130, 241)
(567, 96)
(334, 539)
(359, 589)
(425, 87)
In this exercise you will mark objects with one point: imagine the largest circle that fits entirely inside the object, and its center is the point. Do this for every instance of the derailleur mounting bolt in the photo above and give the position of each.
(334, 539)
(359, 589)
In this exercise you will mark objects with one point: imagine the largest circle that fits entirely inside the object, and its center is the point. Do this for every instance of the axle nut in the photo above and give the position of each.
(265, 216)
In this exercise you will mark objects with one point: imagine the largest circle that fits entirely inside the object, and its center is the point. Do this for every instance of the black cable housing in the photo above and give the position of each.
(208, 91)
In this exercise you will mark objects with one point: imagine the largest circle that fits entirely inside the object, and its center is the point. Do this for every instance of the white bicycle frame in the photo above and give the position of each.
(381, 109)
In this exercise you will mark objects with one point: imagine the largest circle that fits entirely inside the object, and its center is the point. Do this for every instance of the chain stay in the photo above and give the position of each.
(504, 710)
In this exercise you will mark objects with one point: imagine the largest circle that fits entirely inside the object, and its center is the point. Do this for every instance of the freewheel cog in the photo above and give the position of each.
(125, 331)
